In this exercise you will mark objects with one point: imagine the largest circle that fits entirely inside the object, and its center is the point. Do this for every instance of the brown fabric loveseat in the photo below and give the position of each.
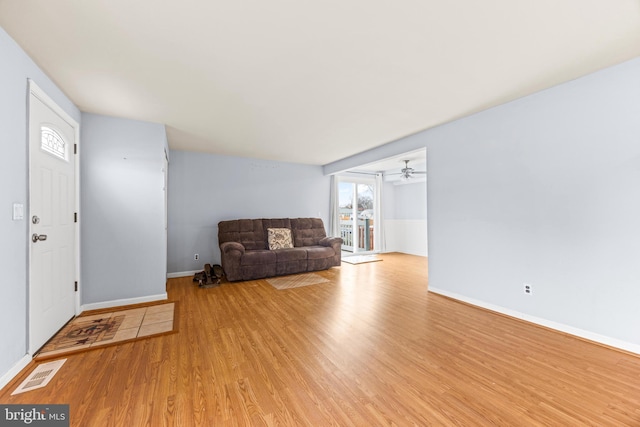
(246, 255)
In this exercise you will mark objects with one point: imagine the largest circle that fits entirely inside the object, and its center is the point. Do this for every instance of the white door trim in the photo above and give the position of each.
(36, 91)
(377, 225)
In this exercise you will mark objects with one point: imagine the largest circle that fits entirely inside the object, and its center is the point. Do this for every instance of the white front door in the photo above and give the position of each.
(52, 201)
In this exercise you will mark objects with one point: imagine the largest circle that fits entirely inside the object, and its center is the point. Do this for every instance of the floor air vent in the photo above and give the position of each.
(40, 376)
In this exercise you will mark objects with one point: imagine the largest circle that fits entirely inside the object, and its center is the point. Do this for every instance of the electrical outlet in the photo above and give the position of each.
(528, 290)
(196, 257)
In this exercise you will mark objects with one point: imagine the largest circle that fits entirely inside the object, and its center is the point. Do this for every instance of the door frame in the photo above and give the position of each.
(376, 225)
(36, 91)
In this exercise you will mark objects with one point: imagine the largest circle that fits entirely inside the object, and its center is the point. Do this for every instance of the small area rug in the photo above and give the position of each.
(296, 281)
(360, 259)
(115, 327)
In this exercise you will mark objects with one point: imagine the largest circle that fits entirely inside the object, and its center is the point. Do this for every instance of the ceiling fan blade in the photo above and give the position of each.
(407, 172)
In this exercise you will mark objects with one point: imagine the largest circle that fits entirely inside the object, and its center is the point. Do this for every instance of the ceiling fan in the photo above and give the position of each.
(407, 172)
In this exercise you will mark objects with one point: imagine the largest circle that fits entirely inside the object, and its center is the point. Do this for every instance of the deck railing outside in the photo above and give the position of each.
(365, 239)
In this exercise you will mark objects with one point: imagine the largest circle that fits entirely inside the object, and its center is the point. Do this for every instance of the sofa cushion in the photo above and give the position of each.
(248, 232)
(279, 238)
(319, 252)
(276, 223)
(292, 254)
(307, 231)
(258, 257)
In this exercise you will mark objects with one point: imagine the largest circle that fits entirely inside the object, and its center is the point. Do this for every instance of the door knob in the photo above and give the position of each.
(35, 237)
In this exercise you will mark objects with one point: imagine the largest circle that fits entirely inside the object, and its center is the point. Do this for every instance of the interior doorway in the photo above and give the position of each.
(400, 196)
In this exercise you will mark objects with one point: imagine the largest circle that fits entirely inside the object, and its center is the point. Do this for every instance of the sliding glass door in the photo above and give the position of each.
(357, 214)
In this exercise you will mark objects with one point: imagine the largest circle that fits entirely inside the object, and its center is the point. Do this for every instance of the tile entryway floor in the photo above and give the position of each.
(86, 332)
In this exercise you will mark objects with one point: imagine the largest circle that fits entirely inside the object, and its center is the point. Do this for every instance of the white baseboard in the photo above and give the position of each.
(581, 333)
(182, 274)
(15, 370)
(121, 302)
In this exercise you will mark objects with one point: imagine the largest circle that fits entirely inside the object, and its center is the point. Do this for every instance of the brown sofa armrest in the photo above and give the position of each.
(231, 253)
(336, 244)
(228, 247)
(331, 241)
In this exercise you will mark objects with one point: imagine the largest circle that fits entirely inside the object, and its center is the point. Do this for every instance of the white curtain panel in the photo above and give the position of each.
(334, 218)
(378, 239)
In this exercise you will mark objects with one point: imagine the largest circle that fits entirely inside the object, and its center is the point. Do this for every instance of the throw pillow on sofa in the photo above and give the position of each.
(279, 238)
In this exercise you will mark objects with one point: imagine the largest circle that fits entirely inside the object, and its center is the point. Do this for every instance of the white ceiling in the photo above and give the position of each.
(313, 82)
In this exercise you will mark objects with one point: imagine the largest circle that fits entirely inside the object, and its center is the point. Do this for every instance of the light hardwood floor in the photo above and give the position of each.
(369, 348)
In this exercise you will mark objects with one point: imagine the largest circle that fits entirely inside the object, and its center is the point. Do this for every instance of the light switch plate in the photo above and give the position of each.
(18, 211)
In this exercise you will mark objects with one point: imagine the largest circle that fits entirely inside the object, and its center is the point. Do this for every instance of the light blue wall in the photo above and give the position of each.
(410, 201)
(544, 190)
(206, 188)
(122, 209)
(15, 69)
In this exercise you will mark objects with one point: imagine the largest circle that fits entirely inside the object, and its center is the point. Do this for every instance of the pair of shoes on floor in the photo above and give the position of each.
(217, 271)
(210, 277)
